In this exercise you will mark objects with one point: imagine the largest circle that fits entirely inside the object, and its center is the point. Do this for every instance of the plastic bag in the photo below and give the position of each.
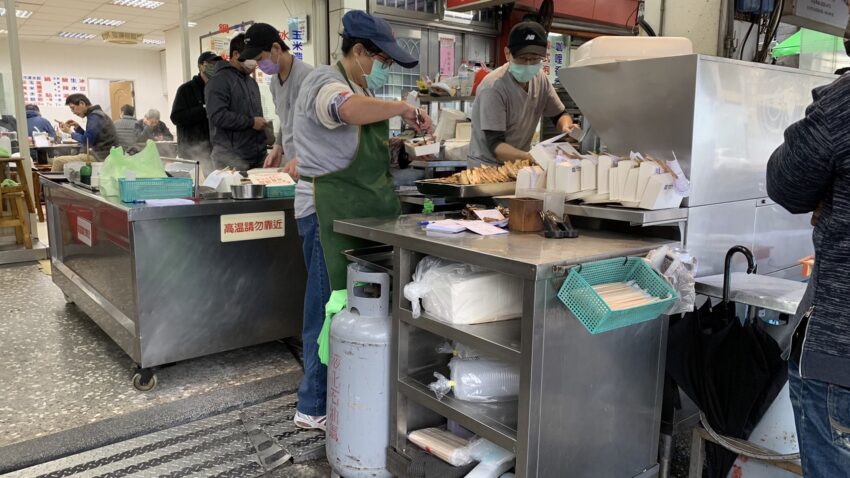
(463, 294)
(442, 444)
(482, 380)
(493, 459)
(679, 268)
(457, 349)
(5, 147)
(145, 164)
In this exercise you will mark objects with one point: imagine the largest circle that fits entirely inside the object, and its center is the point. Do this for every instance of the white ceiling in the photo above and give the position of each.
(53, 16)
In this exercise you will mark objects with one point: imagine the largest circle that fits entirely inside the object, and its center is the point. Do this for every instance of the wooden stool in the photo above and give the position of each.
(19, 218)
(22, 178)
(36, 188)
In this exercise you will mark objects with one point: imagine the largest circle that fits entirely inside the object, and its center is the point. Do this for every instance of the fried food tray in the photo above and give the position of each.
(436, 188)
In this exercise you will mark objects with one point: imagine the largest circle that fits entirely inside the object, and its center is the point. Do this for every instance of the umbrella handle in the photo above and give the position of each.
(751, 268)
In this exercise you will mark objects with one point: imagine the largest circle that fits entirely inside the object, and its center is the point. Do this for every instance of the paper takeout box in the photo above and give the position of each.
(416, 147)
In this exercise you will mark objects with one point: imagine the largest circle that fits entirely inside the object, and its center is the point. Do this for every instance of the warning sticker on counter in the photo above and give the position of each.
(249, 227)
(84, 233)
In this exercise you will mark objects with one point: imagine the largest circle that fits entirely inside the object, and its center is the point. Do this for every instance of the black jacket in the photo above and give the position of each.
(811, 172)
(190, 116)
(233, 101)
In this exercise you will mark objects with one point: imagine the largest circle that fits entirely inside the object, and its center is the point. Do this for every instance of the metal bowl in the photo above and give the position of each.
(248, 191)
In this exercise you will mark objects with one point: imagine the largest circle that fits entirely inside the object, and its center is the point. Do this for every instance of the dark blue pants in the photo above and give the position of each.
(312, 392)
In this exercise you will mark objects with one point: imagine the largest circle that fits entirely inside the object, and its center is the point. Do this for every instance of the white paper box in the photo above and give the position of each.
(603, 180)
(623, 168)
(647, 170)
(463, 131)
(660, 193)
(589, 166)
(446, 125)
(579, 195)
(532, 177)
(417, 149)
(597, 199)
(567, 177)
(544, 154)
(613, 184)
(629, 192)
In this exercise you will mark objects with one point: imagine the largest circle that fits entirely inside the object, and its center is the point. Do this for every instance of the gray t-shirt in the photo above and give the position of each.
(323, 146)
(285, 95)
(501, 104)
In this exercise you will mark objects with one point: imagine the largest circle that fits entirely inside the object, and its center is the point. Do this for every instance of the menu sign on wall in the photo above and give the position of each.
(249, 227)
(555, 58)
(49, 90)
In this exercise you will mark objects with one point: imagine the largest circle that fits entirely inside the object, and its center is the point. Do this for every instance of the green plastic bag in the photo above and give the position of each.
(145, 164)
(337, 302)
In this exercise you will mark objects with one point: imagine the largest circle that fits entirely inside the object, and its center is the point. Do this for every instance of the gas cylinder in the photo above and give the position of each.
(358, 423)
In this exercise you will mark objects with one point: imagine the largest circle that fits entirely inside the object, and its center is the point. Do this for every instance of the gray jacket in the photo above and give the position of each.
(125, 129)
(811, 171)
(233, 101)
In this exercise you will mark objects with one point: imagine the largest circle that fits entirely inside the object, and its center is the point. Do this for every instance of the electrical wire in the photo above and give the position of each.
(286, 7)
(746, 38)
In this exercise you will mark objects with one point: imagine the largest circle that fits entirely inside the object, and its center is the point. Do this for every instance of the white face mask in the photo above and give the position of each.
(250, 65)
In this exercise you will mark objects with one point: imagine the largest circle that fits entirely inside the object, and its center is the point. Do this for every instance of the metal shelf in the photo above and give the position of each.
(495, 339)
(444, 99)
(484, 419)
(635, 217)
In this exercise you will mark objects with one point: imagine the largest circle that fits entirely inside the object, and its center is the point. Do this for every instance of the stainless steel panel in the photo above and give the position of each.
(600, 397)
(740, 115)
(781, 238)
(221, 296)
(713, 230)
(635, 217)
(758, 290)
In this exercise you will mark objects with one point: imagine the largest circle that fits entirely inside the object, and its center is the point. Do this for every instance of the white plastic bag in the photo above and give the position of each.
(679, 268)
(442, 444)
(457, 349)
(482, 380)
(493, 459)
(463, 294)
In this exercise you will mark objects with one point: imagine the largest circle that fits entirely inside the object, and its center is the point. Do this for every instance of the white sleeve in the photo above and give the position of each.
(329, 100)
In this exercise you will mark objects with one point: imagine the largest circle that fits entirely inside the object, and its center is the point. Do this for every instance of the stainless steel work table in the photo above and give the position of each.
(162, 284)
(589, 405)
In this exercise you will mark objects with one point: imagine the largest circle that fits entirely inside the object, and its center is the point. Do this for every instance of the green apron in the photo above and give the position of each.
(364, 189)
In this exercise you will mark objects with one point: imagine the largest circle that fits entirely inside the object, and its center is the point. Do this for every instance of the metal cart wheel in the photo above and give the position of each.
(144, 380)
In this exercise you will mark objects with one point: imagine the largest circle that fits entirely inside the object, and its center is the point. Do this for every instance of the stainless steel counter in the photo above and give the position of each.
(589, 405)
(160, 281)
(764, 292)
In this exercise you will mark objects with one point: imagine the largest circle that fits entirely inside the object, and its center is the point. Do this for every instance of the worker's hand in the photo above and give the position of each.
(568, 128)
(274, 158)
(260, 123)
(409, 117)
(291, 168)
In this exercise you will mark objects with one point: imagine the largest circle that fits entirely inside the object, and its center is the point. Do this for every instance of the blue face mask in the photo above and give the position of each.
(524, 73)
(378, 77)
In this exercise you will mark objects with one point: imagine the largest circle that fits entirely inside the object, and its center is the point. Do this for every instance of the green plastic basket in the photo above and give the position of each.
(154, 188)
(278, 192)
(578, 295)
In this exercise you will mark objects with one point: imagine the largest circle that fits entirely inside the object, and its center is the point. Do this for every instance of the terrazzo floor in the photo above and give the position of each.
(60, 372)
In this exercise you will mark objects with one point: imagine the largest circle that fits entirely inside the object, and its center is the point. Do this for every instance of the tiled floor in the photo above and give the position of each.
(61, 372)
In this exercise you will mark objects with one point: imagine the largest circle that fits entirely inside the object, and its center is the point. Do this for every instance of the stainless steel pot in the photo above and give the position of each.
(248, 191)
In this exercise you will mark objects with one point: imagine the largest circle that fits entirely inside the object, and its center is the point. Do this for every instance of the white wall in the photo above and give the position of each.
(697, 20)
(272, 12)
(142, 66)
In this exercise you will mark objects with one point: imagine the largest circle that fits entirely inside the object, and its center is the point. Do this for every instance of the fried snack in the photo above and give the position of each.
(487, 174)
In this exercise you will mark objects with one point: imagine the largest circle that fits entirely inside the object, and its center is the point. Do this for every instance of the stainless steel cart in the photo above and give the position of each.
(589, 405)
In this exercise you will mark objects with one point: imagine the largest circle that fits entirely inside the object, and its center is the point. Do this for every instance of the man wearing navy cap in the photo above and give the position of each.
(341, 132)
(263, 44)
(511, 100)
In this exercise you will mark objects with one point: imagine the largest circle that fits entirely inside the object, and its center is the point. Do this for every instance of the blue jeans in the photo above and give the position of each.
(312, 392)
(822, 414)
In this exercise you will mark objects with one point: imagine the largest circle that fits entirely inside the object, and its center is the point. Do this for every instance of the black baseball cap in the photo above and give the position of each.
(208, 56)
(528, 37)
(259, 38)
(362, 26)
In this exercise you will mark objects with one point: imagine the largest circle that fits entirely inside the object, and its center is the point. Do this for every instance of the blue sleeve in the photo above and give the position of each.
(92, 132)
(49, 128)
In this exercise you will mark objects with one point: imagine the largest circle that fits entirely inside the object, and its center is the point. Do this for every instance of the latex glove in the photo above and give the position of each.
(337, 302)
(274, 158)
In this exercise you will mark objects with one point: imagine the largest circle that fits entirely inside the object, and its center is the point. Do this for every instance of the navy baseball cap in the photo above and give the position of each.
(360, 25)
(259, 38)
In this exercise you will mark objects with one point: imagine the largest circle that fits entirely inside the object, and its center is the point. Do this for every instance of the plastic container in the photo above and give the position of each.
(154, 188)
(761, 7)
(481, 380)
(279, 192)
(578, 295)
(612, 49)
(464, 79)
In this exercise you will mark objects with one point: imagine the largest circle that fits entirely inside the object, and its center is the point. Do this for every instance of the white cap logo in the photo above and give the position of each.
(530, 37)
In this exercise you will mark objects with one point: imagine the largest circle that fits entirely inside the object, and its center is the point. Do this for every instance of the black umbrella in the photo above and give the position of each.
(730, 368)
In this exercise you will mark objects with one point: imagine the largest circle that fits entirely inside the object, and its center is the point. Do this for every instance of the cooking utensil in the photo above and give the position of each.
(248, 191)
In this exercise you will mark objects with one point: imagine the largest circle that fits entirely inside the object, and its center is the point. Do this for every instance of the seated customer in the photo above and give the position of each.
(152, 128)
(125, 127)
(97, 139)
(38, 124)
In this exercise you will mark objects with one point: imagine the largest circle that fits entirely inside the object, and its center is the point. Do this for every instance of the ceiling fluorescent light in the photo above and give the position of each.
(153, 41)
(103, 22)
(468, 16)
(149, 4)
(77, 35)
(192, 24)
(18, 13)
